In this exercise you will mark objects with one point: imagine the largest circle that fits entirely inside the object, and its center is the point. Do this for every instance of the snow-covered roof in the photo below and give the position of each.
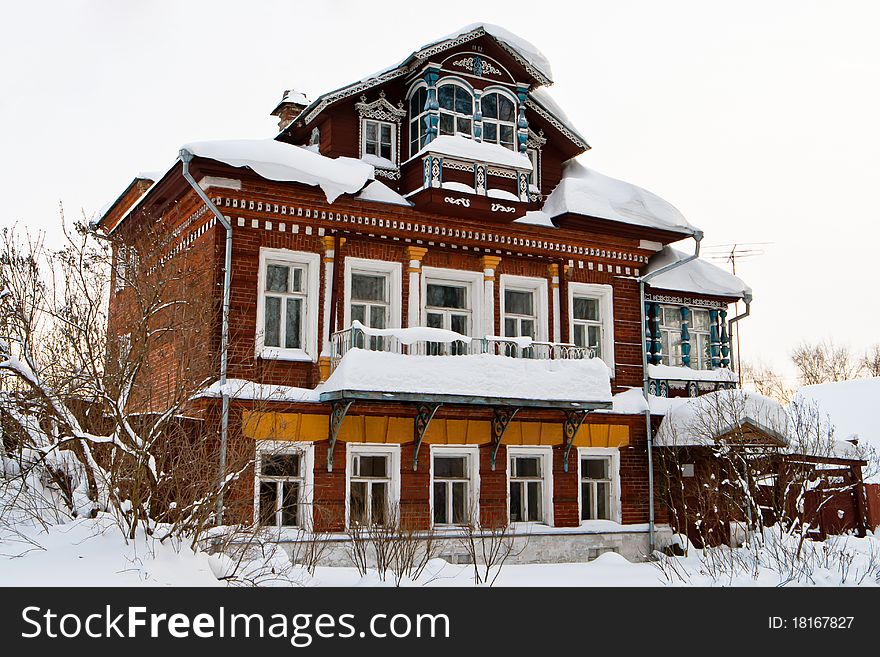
(276, 160)
(379, 192)
(583, 191)
(850, 406)
(674, 373)
(697, 276)
(543, 98)
(704, 419)
(480, 151)
(479, 375)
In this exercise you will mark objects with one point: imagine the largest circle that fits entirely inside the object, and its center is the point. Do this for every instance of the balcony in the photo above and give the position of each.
(423, 341)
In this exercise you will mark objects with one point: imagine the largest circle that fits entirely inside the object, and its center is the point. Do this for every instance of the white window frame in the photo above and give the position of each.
(312, 264)
(614, 455)
(527, 284)
(499, 122)
(605, 295)
(373, 449)
(394, 271)
(546, 454)
(666, 354)
(379, 123)
(473, 454)
(473, 279)
(418, 117)
(697, 360)
(306, 450)
(455, 82)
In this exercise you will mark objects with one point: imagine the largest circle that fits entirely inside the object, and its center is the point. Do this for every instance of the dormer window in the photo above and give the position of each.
(499, 120)
(379, 140)
(456, 110)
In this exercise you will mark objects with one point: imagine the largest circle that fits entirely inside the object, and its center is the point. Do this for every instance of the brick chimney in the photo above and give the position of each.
(292, 103)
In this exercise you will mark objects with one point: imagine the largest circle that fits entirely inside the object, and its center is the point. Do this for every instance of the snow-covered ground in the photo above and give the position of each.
(87, 552)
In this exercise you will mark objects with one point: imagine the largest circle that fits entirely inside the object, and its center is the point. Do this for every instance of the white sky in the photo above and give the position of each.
(758, 120)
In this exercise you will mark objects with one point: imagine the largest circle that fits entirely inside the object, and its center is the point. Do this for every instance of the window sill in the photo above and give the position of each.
(291, 355)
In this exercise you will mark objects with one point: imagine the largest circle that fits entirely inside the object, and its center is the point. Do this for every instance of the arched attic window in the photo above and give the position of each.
(456, 109)
(499, 119)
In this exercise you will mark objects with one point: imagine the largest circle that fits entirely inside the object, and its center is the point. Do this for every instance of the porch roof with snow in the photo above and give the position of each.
(696, 276)
(734, 416)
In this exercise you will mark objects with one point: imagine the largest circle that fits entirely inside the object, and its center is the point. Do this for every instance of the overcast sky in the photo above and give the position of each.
(758, 120)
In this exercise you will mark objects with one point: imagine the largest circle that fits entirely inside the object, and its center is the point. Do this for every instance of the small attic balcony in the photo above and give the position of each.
(424, 341)
(460, 176)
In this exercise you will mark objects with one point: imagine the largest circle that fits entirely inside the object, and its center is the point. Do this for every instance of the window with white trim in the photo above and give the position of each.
(372, 292)
(451, 300)
(286, 304)
(701, 355)
(597, 492)
(456, 109)
(670, 335)
(529, 477)
(454, 471)
(499, 119)
(379, 140)
(417, 115)
(282, 478)
(373, 479)
(591, 319)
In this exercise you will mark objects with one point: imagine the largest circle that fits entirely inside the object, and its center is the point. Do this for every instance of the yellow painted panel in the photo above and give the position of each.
(551, 433)
(479, 432)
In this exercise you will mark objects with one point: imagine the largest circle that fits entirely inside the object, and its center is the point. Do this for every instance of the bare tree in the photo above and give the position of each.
(825, 361)
(764, 380)
(871, 361)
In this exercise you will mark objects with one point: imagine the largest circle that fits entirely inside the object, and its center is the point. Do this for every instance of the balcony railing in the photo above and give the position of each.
(409, 342)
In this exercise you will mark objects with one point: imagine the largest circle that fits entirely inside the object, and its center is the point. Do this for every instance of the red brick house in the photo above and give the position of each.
(436, 310)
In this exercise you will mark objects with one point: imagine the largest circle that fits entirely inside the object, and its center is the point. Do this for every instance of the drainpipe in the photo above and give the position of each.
(186, 157)
(698, 237)
(747, 297)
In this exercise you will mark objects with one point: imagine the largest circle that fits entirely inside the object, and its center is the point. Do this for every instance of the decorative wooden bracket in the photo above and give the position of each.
(570, 427)
(500, 422)
(337, 415)
(424, 415)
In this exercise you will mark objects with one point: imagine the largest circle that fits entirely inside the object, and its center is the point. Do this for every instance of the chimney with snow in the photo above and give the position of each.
(292, 103)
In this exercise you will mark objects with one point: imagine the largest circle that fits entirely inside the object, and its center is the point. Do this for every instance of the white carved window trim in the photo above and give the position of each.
(393, 270)
(538, 286)
(306, 478)
(605, 295)
(613, 454)
(474, 282)
(379, 123)
(311, 263)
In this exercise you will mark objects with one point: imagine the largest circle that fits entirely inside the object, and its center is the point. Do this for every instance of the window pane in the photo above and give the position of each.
(700, 319)
(489, 106)
(463, 125)
(359, 313)
(446, 296)
(603, 501)
(580, 335)
(527, 466)
(372, 466)
(459, 324)
(268, 496)
(519, 303)
(594, 468)
(595, 335)
(385, 151)
(505, 109)
(292, 338)
(586, 308)
(446, 96)
(450, 466)
(527, 328)
(459, 502)
(672, 317)
(370, 131)
(464, 104)
(358, 501)
(379, 503)
(516, 489)
(435, 320)
(377, 317)
(510, 327)
(281, 465)
(276, 278)
(506, 134)
(290, 504)
(586, 501)
(385, 133)
(440, 503)
(297, 280)
(365, 287)
(447, 124)
(490, 132)
(535, 509)
(272, 329)
(371, 148)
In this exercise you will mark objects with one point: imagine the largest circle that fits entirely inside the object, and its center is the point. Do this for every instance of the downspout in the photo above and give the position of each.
(698, 237)
(186, 157)
(747, 297)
